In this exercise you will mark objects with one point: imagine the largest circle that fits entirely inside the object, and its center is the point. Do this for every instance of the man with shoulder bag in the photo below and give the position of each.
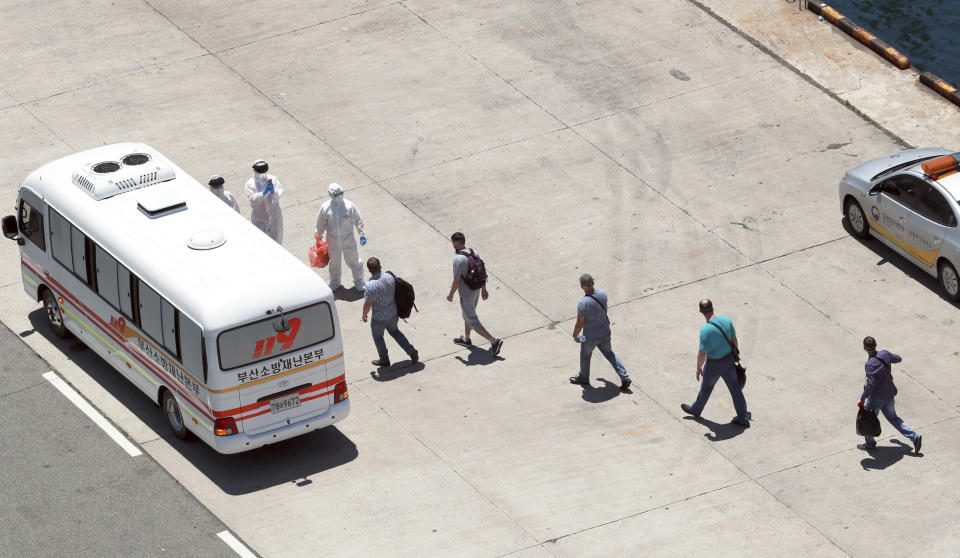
(879, 391)
(719, 357)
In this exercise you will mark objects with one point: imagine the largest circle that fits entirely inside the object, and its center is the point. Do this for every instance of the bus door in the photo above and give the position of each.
(280, 367)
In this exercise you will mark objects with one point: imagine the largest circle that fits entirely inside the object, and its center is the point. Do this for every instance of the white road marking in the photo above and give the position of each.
(236, 545)
(94, 415)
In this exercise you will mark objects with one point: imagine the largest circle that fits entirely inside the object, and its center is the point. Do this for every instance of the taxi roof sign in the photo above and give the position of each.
(941, 166)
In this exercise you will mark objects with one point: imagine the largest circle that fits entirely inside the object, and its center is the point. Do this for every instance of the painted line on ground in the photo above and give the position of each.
(237, 546)
(94, 415)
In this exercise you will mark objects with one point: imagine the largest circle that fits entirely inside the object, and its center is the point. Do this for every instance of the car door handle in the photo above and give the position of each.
(45, 272)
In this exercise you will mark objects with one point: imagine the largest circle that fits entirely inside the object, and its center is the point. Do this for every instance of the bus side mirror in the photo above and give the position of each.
(10, 227)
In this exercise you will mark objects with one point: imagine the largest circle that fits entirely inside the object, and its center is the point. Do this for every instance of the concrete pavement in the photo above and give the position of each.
(68, 489)
(654, 146)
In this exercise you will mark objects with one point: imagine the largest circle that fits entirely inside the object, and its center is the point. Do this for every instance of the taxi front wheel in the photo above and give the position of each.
(857, 220)
(950, 281)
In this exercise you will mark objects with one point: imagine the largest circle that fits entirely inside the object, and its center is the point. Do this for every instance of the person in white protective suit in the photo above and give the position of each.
(337, 219)
(216, 187)
(264, 191)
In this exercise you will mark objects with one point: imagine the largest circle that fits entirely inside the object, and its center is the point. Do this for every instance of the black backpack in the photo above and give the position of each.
(404, 297)
(476, 276)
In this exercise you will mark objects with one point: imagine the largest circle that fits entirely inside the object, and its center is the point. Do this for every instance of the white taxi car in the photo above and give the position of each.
(909, 201)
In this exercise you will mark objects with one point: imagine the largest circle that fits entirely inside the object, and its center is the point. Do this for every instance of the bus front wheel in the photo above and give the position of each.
(54, 316)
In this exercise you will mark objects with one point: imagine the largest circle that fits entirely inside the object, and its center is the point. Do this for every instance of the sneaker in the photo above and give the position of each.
(625, 385)
(463, 341)
(414, 357)
(359, 287)
(579, 381)
(865, 447)
(740, 422)
(380, 363)
(495, 347)
(916, 444)
(688, 409)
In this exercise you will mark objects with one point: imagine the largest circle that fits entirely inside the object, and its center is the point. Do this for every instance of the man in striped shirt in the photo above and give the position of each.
(378, 296)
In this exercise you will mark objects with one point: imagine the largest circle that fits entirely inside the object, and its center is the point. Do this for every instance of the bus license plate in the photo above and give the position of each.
(285, 403)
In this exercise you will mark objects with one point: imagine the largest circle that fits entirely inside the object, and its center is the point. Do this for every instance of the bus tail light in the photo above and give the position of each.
(340, 392)
(225, 427)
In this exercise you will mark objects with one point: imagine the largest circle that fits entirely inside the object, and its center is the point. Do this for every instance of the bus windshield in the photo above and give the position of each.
(259, 340)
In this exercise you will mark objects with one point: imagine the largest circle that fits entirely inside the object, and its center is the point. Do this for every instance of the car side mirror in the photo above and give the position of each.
(876, 190)
(10, 227)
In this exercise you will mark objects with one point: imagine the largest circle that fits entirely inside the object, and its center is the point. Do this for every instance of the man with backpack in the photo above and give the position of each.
(470, 280)
(379, 295)
(592, 320)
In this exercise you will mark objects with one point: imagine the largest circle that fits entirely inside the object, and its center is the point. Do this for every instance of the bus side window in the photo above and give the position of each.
(31, 224)
(150, 318)
(107, 277)
(79, 242)
(60, 240)
(169, 320)
(125, 294)
(191, 346)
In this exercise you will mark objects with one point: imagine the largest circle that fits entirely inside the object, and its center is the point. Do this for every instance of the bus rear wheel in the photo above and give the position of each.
(54, 317)
(171, 411)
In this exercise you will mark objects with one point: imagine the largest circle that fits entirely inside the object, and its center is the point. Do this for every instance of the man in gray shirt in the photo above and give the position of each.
(469, 297)
(593, 321)
(378, 295)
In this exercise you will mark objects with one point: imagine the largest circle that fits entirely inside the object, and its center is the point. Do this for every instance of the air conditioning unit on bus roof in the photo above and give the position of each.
(108, 178)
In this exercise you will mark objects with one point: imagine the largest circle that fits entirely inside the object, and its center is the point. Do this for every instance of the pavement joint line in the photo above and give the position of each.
(519, 550)
(235, 544)
(836, 97)
(671, 97)
(450, 466)
(305, 27)
(92, 413)
(31, 386)
(474, 154)
(485, 66)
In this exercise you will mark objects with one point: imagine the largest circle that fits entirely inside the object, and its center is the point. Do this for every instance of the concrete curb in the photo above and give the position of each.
(935, 82)
(891, 54)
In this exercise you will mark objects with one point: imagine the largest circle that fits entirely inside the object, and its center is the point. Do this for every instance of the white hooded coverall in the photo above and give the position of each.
(265, 209)
(226, 197)
(337, 218)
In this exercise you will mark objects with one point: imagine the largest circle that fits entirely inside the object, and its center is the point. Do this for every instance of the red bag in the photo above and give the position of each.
(319, 255)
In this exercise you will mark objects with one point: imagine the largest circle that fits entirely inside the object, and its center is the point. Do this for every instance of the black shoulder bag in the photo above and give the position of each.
(741, 370)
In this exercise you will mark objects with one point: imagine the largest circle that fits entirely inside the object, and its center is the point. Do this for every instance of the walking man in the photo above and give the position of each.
(263, 191)
(718, 353)
(336, 220)
(592, 319)
(878, 393)
(469, 268)
(379, 296)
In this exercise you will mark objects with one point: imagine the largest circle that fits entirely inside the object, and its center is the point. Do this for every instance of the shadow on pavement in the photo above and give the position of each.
(885, 456)
(397, 370)
(478, 356)
(718, 431)
(348, 295)
(290, 461)
(888, 256)
(608, 391)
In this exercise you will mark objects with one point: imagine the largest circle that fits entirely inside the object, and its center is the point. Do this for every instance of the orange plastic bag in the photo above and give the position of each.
(319, 255)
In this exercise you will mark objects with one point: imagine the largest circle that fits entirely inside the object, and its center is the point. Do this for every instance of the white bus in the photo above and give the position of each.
(236, 340)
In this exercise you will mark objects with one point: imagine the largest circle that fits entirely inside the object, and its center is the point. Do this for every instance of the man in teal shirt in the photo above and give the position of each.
(716, 360)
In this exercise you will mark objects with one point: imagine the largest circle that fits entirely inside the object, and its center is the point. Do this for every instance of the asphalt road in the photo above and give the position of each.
(68, 489)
